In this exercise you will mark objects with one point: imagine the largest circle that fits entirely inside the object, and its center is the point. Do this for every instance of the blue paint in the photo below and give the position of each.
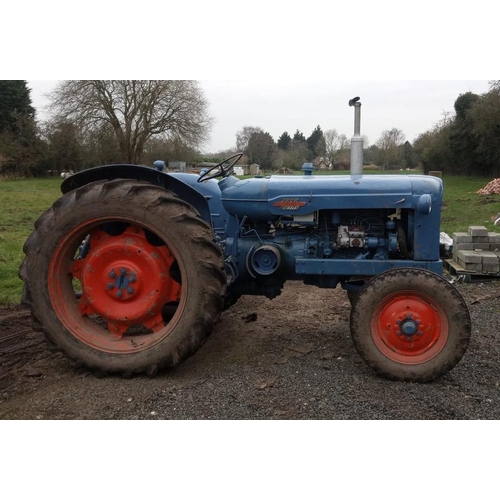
(323, 230)
(409, 327)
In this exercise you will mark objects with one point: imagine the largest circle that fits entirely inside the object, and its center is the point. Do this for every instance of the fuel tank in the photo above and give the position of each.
(269, 198)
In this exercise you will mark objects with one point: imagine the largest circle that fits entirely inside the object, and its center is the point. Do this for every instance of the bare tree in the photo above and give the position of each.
(389, 145)
(136, 110)
(494, 85)
(334, 142)
(243, 137)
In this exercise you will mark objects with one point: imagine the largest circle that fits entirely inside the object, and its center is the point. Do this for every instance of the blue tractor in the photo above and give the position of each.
(129, 270)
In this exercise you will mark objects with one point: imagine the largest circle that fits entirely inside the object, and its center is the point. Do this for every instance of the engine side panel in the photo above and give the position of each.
(263, 198)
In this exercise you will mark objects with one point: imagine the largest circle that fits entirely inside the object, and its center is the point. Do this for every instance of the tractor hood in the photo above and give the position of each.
(271, 197)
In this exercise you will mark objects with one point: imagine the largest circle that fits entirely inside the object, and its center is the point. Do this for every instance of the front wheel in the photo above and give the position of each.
(123, 277)
(352, 296)
(410, 325)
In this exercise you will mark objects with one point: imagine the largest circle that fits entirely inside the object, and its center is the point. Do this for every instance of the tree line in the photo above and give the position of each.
(467, 142)
(98, 122)
(290, 152)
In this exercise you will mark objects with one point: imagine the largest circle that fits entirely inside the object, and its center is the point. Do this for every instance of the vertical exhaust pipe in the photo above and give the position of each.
(357, 140)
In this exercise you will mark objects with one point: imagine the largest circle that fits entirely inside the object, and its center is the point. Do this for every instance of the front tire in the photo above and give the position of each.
(105, 308)
(410, 325)
(352, 296)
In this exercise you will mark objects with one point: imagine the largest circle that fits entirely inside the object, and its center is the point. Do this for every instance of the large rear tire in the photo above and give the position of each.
(142, 293)
(410, 325)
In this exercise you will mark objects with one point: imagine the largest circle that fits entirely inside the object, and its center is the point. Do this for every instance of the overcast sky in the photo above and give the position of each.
(413, 106)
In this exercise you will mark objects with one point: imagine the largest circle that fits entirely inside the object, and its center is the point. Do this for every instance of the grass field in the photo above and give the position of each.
(22, 201)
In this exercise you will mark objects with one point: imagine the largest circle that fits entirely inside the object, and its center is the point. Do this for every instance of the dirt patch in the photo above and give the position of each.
(486, 201)
(294, 360)
(21, 349)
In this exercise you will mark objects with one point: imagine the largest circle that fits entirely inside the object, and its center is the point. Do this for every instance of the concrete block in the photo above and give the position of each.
(469, 257)
(494, 247)
(490, 258)
(470, 266)
(480, 239)
(478, 231)
(464, 246)
(494, 238)
(491, 268)
(481, 246)
(461, 238)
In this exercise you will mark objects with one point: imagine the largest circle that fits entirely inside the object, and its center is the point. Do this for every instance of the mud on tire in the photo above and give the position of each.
(410, 325)
(179, 261)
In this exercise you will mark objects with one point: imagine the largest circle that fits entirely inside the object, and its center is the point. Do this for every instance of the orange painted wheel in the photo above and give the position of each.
(410, 325)
(123, 277)
(125, 281)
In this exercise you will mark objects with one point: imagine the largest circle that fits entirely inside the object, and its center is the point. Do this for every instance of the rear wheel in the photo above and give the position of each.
(410, 325)
(123, 277)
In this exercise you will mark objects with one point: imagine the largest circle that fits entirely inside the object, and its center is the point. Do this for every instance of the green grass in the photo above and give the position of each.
(23, 201)
(462, 207)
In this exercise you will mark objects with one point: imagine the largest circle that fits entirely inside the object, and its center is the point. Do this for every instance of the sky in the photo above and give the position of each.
(278, 105)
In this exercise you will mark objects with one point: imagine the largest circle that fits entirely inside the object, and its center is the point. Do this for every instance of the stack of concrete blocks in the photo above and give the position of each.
(478, 250)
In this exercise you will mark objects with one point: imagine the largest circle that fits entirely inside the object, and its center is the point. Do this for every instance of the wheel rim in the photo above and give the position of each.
(409, 327)
(125, 281)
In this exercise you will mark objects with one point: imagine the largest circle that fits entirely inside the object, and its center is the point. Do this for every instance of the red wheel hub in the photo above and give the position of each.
(409, 327)
(125, 280)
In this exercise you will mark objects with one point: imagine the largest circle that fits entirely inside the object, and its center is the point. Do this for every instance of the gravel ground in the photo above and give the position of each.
(296, 361)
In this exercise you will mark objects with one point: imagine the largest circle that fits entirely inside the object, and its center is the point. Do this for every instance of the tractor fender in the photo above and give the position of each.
(141, 173)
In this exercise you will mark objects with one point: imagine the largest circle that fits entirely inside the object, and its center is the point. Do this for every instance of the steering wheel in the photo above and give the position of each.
(220, 170)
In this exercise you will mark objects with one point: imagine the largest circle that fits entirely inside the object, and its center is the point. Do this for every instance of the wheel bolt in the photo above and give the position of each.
(408, 316)
(123, 271)
(398, 321)
(130, 290)
(110, 286)
(419, 322)
(119, 293)
(408, 338)
(131, 279)
(399, 333)
(111, 274)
